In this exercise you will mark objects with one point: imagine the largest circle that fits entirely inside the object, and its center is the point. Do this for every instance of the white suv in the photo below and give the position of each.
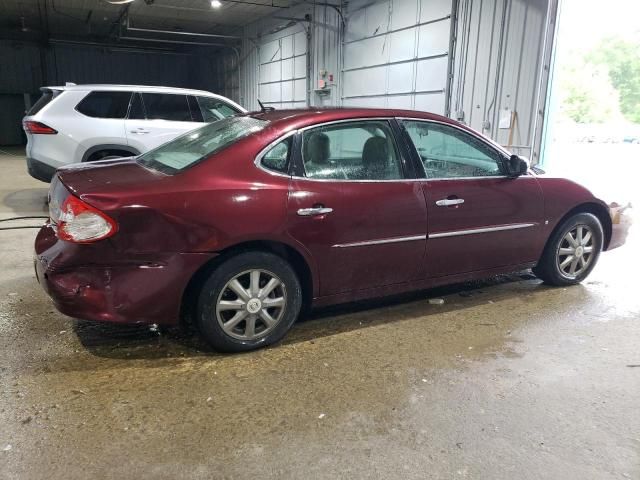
(83, 123)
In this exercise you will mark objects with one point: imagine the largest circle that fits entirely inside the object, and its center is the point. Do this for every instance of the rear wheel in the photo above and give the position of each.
(572, 251)
(250, 301)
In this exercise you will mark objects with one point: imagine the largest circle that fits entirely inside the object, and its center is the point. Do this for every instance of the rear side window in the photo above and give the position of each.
(277, 158)
(105, 104)
(162, 106)
(43, 101)
(213, 109)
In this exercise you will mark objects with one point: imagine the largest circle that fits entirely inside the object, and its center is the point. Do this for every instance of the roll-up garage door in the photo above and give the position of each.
(283, 69)
(396, 54)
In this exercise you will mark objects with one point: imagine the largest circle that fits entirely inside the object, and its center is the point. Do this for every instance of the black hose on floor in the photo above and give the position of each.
(22, 218)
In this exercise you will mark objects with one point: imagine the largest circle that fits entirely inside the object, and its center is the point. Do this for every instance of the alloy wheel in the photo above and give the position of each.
(251, 304)
(575, 252)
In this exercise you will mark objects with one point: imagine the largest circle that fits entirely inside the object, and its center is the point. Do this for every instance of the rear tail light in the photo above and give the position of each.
(38, 128)
(79, 222)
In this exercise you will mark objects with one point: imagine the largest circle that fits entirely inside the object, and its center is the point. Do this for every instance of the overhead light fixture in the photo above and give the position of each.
(216, 3)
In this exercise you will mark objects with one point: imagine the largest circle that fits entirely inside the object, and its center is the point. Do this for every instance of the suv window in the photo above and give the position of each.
(214, 109)
(165, 106)
(43, 101)
(277, 158)
(136, 111)
(363, 150)
(448, 152)
(105, 104)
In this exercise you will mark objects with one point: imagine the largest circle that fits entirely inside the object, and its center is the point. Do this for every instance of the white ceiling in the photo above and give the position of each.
(99, 18)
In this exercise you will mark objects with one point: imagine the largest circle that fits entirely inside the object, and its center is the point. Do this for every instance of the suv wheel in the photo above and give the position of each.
(250, 301)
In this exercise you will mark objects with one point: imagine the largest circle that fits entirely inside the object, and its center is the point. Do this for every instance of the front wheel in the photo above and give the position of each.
(572, 251)
(250, 301)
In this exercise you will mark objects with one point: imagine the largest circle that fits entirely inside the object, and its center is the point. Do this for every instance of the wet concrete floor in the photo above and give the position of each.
(508, 379)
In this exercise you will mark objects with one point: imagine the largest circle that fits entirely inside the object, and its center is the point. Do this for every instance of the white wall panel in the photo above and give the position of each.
(282, 72)
(385, 46)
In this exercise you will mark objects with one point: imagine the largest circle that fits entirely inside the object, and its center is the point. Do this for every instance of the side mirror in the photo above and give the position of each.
(517, 166)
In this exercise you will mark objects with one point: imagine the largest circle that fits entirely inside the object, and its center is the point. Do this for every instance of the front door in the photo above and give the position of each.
(351, 206)
(478, 218)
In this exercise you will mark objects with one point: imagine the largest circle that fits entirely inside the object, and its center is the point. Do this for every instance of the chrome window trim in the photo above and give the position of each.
(262, 152)
(258, 160)
(473, 231)
(382, 241)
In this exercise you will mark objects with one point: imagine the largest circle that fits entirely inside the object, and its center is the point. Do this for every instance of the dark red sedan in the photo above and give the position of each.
(246, 220)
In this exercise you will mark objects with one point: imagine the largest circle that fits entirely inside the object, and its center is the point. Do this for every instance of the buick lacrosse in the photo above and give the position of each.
(244, 222)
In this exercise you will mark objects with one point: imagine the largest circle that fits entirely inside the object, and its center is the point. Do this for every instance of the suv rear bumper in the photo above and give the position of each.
(40, 170)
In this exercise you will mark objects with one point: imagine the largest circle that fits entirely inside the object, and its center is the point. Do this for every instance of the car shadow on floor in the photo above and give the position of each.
(145, 342)
(29, 201)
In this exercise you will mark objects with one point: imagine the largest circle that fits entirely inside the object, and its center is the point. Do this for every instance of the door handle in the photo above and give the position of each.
(140, 131)
(447, 202)
(310, 212)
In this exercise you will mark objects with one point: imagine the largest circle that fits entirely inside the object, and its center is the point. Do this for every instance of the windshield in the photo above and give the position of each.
(190, 148)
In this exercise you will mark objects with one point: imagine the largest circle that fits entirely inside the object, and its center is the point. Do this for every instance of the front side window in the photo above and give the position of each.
(105, 104)
(448, 152)
(361, 150)
(165, 106)
(277, 157)
(213, 109)
(196, 145)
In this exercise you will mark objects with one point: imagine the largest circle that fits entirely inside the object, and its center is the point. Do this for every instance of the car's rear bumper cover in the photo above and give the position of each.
(40, 170)
(135, 290)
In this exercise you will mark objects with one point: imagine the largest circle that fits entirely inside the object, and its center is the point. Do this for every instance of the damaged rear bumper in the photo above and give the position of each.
(93, 282)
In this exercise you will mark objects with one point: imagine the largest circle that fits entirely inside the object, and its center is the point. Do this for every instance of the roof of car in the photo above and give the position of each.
(126, 88)
(312, 116)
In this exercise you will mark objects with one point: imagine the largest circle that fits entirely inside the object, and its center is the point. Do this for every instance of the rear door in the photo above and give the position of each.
(478, 218)
(156, 118)
(353, 207)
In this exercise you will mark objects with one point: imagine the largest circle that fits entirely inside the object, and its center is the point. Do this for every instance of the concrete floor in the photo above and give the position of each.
(508, 379)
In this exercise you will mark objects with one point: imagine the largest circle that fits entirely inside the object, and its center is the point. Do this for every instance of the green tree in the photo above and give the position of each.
(621, 58)
(587, 95)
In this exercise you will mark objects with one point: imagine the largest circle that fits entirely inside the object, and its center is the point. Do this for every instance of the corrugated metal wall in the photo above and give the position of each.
(501, 69)
(396, 53)
(274, 54)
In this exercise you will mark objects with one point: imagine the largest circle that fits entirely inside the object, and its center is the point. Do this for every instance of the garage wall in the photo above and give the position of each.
(396, 53)
(282, 68)
(27, 66)
(285, 55)
(502, 56)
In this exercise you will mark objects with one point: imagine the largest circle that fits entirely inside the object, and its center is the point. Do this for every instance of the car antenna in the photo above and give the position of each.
(264, 109)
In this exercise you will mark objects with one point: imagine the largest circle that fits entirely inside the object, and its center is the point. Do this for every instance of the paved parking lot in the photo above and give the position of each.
(507, 379)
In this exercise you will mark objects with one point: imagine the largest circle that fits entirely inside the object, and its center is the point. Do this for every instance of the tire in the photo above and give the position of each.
(557, 262)
(106, 155)
(237, 306)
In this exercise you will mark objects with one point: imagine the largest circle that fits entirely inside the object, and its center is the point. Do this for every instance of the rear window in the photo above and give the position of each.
(194, 146)
(105, 104)
(43, 101)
